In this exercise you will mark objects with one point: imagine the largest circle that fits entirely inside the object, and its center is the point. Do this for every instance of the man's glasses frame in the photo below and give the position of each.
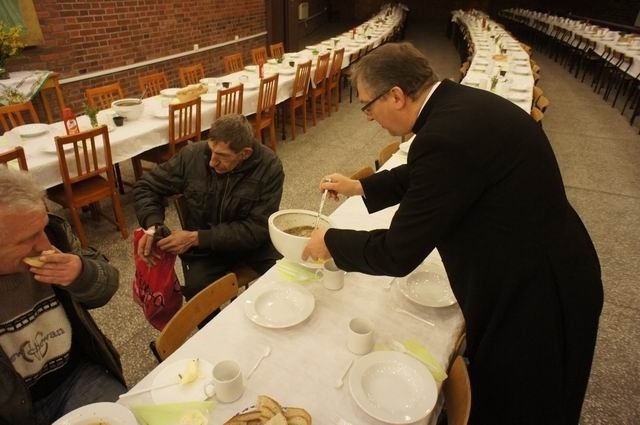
(369, 104)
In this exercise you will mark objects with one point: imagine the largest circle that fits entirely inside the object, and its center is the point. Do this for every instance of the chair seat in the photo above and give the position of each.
(84, 192)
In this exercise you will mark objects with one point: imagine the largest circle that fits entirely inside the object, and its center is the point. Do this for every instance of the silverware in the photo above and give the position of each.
(408, 313)
(265, 353)
(324, 198)
(340, 380)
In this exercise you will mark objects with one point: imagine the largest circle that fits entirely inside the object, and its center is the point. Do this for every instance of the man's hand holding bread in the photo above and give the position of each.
(54, 267)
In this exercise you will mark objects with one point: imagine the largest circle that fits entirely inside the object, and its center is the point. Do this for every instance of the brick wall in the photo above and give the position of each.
(83, 37)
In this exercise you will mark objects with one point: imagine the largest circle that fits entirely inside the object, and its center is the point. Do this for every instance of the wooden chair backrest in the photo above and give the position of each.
(277, 50)
(362, 173)
(387, 152)
(457, 393)
(336, 64)
(102, 97)
(191, 74)
(259, 54)
(185, 125)
(187, 319)
(320, 75)
(537, 92)
(229, 101)
(543, 103)
(83, 156)
(301, 82)
(537, 114)
(14, 115)
(233, 63)
(150, 85)
(267, 97)
(15, 154)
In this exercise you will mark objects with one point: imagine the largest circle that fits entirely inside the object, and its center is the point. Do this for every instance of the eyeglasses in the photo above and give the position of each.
(366, 108)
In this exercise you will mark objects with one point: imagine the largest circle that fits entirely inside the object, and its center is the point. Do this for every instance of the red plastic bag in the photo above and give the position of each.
(156, 288)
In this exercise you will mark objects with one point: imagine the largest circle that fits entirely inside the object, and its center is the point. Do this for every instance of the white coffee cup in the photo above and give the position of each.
(332, 277)
(227, 383)
(360, 338)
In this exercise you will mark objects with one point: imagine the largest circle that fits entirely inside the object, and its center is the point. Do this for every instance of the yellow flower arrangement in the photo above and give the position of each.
(10, 44)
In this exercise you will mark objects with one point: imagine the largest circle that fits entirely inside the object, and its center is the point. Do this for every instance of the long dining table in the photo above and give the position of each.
(307, 358)
(151, 129)
(499, 63)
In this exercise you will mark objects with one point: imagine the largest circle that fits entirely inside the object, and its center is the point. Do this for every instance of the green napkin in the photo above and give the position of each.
(189, 413)
(421, 353)
(293, 272)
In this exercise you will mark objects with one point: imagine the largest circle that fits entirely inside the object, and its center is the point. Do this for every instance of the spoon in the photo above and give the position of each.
(324, 198)
(408, 313)
(340, 380)
(265, 353)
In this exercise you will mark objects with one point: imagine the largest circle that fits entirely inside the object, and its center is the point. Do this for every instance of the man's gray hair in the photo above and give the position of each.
(394, 64)
(19, 192)
(233, 129)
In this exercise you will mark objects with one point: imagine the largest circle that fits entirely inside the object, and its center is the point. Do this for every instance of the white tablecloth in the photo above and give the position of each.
(307, 359)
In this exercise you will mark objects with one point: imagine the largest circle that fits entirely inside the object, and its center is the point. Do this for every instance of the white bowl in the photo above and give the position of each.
(129, 108)
(291, 246)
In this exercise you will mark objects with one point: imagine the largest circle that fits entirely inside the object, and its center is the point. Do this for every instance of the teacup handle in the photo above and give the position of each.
(210, 389)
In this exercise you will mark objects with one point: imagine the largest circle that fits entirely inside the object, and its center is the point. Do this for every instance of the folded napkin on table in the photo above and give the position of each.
(189, 413)
(293, 272)
(420, 352)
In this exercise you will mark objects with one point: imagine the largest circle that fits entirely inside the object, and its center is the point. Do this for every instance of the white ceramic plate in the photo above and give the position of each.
(516, 97)
(97, 413)
(392, 387)
(162, 113)
(209, 97)
(280, 305)
(193, 391)
(32, 130)
(250, 85)
(171, 92)
(209, 81)
(428, 286)
(286, 70)
(291, 55)
(251, 68)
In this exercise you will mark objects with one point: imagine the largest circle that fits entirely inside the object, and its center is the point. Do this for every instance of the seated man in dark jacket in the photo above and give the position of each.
(53, 357)
(231, 185)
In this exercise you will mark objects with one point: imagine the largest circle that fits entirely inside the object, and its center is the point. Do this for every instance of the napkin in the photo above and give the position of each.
(190, 413)
(420, 352)
(294, 272)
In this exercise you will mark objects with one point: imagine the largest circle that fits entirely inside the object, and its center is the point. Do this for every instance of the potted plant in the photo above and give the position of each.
(92, 113)
(10, 45)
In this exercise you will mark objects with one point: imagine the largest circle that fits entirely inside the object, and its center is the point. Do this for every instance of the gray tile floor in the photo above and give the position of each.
(598, 152)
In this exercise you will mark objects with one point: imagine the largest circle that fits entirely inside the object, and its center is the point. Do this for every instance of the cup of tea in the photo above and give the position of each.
(226, 384)
(225, 84)
(332, 277)
(118, 121)
(292, 64)
(243, 78)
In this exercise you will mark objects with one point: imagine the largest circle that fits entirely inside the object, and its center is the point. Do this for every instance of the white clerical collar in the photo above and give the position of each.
(433, 88)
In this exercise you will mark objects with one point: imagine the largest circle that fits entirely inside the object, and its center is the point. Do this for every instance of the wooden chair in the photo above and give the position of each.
(259, 54)
(233, 63)
(277, 50)
(537, 114)
(15, 154)
(17, 114)
(457, 393)
(198, 308)
(150, 85)
(229, 101)
(333, 80)
(266, 112)
(362, 173)
(298, 97)
(537, 92)
(542, 103)
(102, 97)
(386, 153)
(83, 159)
(191, 74)
(51, 87)
(318, 86)
(184, 126)
(244, 274)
